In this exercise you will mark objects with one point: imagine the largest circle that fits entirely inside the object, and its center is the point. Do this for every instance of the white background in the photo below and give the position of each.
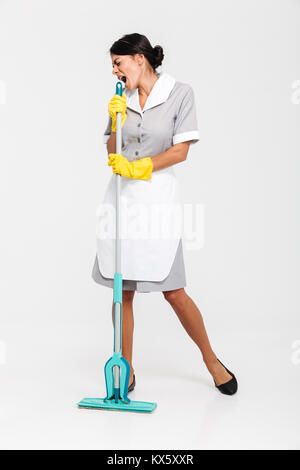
(242, 60)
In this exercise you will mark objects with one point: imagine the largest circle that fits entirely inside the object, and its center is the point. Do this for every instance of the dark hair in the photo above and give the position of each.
(135, 43)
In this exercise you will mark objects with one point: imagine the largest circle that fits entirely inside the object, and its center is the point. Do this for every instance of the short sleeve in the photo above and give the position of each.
(185, 127)
(107, 131)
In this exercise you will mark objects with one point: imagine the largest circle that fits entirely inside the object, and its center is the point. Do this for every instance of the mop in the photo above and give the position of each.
(117, 368)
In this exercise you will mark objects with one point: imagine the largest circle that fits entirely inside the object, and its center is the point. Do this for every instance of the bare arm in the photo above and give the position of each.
(175, 154)
(111, 143)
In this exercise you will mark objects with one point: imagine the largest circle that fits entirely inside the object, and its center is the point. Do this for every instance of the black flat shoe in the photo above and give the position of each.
(132, 385)
(230, 387)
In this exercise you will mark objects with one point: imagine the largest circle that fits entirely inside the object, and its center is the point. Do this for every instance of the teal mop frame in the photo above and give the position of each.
(117, 368)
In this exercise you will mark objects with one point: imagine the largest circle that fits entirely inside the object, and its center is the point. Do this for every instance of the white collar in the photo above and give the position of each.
(159, 93)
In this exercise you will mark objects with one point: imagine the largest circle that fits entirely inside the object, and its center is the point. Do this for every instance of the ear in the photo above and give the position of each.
(139, 58)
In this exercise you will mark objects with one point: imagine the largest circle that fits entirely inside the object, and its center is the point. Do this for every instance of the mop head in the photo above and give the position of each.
(116, 398)
(139, 406)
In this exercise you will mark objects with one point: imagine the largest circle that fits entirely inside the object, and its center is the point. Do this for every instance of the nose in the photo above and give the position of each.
(114, 72)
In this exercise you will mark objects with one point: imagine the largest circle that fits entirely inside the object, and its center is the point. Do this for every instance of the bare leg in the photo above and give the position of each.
(191, 319)
(127, 327)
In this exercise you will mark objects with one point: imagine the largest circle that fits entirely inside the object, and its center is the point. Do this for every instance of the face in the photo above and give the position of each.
(127, 66)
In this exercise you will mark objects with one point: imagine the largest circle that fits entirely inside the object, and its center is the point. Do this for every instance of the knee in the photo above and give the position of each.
(174, 297)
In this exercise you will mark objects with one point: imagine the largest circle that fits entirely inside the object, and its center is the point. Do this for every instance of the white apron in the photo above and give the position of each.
(151, 227)
(151, 210)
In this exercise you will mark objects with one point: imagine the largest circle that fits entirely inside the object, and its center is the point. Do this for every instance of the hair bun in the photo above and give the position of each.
(159, 55)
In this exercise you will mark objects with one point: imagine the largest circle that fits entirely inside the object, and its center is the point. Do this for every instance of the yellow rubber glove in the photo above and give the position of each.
(140, 170)
(117, 105)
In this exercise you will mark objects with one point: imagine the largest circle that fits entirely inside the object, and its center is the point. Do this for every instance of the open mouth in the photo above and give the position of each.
(124, 79)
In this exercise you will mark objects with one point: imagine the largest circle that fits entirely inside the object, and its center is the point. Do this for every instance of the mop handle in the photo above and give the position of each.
(118, 283)
(118, 182)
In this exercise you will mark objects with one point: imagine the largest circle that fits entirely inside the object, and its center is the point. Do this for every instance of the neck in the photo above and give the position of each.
(147, 83)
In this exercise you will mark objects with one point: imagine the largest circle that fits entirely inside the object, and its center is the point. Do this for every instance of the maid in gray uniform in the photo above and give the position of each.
(159, 124)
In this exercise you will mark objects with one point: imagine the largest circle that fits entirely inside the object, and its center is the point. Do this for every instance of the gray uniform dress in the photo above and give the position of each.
(168, 118)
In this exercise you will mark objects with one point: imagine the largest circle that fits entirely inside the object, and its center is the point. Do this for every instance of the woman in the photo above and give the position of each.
(158, 125)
